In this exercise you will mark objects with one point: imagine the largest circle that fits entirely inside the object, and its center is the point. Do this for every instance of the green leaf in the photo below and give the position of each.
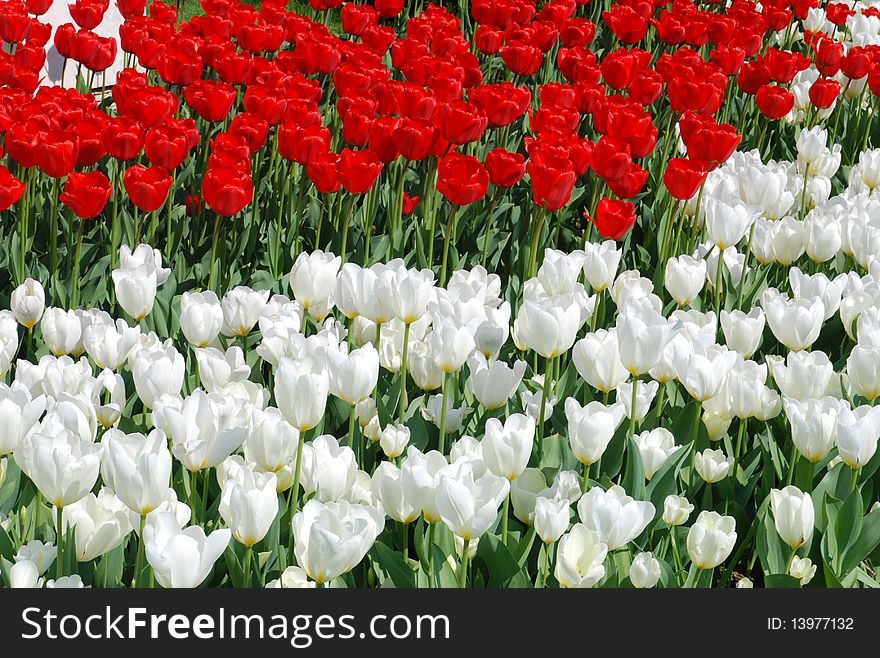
(781, 581)
(664, 482)
(501, 565)
(868, 539)
(392, 563)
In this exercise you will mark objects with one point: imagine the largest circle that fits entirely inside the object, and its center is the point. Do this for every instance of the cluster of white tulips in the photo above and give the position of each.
(304, 429)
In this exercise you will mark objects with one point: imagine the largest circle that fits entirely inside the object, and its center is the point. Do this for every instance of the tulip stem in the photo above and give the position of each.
(632, 408)
(294, 492)
(855, 479)
(545, 569)
(139, 560)
(462, 569)
(450, 230)
(214, 237)
(59, 540)
(718, 281)
(53, 232)
(404, 401)
(548, 377)
(739, 441)
(74, 283)
(404, 541)
(441, 444)
(430, 549)
(346, 219)
(351, 442)
(536, 236)
(246, 571)
(675, 555)
(505, 512)
(488, 227)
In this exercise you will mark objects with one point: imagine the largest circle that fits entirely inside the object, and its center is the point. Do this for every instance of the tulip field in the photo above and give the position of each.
(489, 294)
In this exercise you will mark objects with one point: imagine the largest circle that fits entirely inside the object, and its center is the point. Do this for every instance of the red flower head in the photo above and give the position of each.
(227, 191)
(502, 103)
(552, 177)
(462, 122)
(752, 76)
(413, 138)
(253, 128)
(611, 158)
(683, 177)
(614, 218)
(131, 8)
(488, 40)
(823, 92)
(774, 102)
(212, 100)
(56, 152)
(828, 54)
(169, 144)
(505, 168)
(86, 194)
(88, 14)
(357, 18)
(14, 23)
(522, 58)
(627, 24)
(147, 187)
(358, 170)
(303, 144)
(11, 188)
(409, 203)
(381, 139)
(38, 7)
(462, 179)
(389, 8)
(321, 170)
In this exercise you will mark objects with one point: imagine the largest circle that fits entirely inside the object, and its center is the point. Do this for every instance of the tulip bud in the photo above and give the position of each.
(793, 515)
(388, 490)
(313, 278)
(24, 575)
(712, 465)
(600, 263)
(506, 448)
(137, 468)
(655, 447)
(62, 331)
(551, 518)
(645, 393)
(201, 317)
(857, 435)
(745, 583)
(494, 384)
(249, 504)
(580, 558)
(100, 524)
(742, 332)
(615, 516)
(803, 569)
(644, 572)
(684, 278)
(242, 308)
(597, 359)
(352, 376)
(292, 578)
(135, 292)
(332, 538)
(156, 373)
(181, 558)
(468, 504)
(676, 510)
(301, 392)
(394, 440)
(711, 539)
(27, 303)
(591, 428)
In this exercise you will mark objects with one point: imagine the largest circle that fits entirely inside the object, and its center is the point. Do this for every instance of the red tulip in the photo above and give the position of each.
(462, 122)
(358, 170)
(11, 188)
(823, 92)
(131, 8)
(253, 128)
(38, 7)
(552, 178)
(86, 194)
(88, 14)
(14, 23)
(212, 100)
(630, 184)
(147, 187)
(614, 218)
(168, 145)
(321, 170)
(409, 203)
(227, 191)
(683, 177)
(389, 8)
(522, 58)
(502, 103)
(774, 102)
(505, 168)
(461, 179)
(413, 138)
(611, 158)
(56, 152)
(356, 18)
